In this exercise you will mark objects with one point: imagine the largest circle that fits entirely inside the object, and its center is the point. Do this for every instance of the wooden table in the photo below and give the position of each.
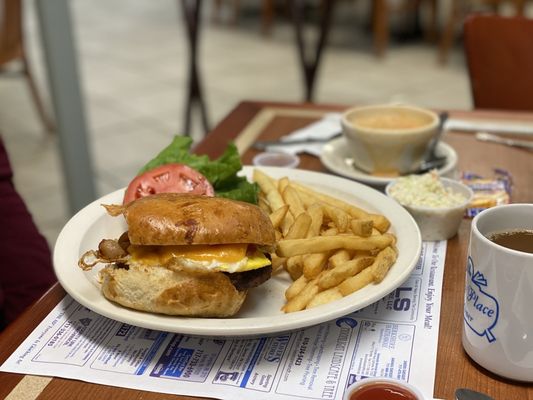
(253, 120)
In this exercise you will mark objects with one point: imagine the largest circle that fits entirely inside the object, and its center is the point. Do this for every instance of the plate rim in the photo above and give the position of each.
(230, 327)
(376, 181)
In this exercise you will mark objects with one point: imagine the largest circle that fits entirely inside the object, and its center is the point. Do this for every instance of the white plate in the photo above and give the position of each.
(261, 312)
(336, 157)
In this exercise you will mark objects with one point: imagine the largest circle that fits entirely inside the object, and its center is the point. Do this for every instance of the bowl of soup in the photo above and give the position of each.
(388, 140)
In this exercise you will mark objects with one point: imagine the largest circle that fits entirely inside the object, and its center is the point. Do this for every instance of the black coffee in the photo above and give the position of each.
(521, 240)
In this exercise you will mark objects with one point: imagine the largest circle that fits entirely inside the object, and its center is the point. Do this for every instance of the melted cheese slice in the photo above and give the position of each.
(227, 257)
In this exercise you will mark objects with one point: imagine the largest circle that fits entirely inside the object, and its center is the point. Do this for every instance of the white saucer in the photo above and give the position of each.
(337, 159)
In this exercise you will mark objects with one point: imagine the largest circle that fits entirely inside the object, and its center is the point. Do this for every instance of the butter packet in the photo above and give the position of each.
(488, 192)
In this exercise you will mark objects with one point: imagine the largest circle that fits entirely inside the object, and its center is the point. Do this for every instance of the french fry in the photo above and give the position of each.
(300, 301)
(286, 224)
(294, 267)
(340, 218)
(329, 232)
(393, 237)
(282, 184)
(296, 287)
(269, 189)
(299, 228)
(384, 260)
(277, 216)
(290, 196)
(324, 297)
(307, 198)
(333, 277)
(356, 282)
(262, 202)
(273, 196)
(277, 263)
(362, 227)
(293, 247)
(329, 247)
(380, 221)
(339, 258)
(313, 264)
(317, 217)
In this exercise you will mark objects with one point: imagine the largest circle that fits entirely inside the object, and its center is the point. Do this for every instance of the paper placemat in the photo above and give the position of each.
(395, 337)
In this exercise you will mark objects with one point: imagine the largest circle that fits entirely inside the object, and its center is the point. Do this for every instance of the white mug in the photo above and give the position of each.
(498, 310)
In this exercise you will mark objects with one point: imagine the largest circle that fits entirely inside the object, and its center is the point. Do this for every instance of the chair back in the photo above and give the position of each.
(10, 30)
(499, 55)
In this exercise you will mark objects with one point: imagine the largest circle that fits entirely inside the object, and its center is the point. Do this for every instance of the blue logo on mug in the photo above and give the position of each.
(481, 309)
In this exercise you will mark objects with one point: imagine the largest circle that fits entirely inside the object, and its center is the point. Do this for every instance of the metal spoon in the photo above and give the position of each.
(431, 160)
(469, 394)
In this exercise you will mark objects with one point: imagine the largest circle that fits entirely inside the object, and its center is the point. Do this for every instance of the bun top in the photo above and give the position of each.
(180, 219)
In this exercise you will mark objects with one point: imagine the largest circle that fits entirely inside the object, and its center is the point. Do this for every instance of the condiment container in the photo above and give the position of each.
(435, 221)
(382, 389)
(276, 159)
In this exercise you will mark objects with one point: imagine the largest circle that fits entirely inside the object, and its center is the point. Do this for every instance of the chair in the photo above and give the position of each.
(12, 48)
(499, 55)
(267, 13)
(382, 11)
(459, 9)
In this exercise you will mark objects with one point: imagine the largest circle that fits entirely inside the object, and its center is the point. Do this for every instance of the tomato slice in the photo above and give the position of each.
(168, 178)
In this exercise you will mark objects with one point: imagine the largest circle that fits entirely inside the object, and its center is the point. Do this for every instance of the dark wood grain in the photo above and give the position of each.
(454, 368)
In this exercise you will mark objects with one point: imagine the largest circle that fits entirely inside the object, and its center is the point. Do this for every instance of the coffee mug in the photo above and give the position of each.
(498, 317)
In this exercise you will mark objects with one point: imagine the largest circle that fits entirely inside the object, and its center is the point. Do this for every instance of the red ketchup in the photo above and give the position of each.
(382, 391)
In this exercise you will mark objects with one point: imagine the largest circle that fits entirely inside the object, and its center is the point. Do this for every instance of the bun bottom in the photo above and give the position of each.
(160, 290)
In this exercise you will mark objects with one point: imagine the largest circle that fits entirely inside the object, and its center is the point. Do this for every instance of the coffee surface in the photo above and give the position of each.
(520, 240)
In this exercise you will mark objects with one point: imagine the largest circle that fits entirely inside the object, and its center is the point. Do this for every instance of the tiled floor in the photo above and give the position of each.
(132, 56)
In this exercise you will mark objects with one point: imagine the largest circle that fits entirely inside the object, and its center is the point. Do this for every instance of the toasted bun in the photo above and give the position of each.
(161, 290)
(176, 218)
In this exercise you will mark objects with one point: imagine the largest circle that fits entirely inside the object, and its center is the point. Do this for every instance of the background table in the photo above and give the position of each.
(253, 120)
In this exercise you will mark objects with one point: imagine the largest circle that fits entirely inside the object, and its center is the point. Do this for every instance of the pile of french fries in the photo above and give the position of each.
(330, 248)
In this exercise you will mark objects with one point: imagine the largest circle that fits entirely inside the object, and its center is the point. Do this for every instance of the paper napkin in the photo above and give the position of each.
(325, 128)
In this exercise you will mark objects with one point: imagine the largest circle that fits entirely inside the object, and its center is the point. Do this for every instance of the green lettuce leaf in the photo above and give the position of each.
(222, 172)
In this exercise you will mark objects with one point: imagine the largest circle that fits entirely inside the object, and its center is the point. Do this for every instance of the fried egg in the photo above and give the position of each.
(224, 258)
